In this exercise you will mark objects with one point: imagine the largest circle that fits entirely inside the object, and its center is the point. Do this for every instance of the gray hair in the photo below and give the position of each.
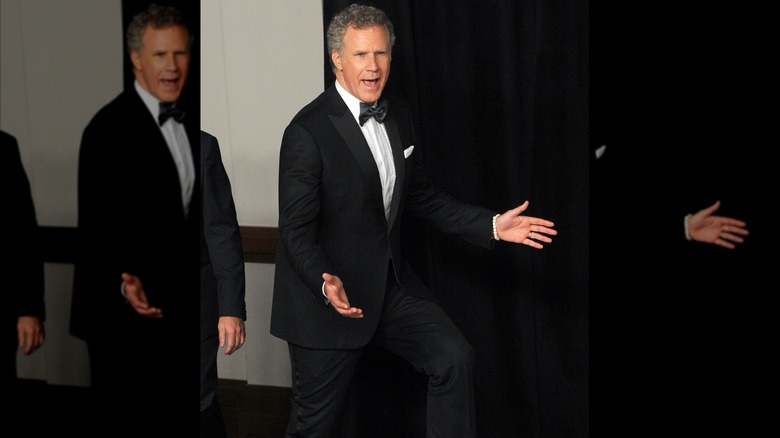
(357, 16)
(158, 17)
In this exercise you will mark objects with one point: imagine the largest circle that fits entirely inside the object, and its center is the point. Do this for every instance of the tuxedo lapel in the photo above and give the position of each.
(391, 127)
(357, 144)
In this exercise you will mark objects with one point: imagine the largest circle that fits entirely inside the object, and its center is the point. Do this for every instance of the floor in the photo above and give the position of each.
(387, 400)
(253, 411)
(250, 411)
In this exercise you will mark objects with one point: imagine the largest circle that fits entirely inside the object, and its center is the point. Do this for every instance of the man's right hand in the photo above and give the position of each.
(334, 289)
(136, 296)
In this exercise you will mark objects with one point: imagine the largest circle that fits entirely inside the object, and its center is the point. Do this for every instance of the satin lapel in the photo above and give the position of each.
(398, 158)
(356, 142)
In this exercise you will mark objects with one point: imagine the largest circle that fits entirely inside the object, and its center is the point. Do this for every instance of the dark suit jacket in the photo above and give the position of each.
(332, 219)
(131, 219)
(222, 279)
(23, 262)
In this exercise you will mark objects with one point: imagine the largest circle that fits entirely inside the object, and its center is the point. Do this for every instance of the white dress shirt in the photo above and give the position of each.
(178, 144)
(376, 136)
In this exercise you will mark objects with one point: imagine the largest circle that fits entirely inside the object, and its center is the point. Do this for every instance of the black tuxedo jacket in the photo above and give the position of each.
(222, 279)
(22, 246)
(332, 219)
(131, 219)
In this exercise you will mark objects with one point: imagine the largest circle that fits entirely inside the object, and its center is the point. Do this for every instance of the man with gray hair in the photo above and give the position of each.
(135, 294)
(349, 170)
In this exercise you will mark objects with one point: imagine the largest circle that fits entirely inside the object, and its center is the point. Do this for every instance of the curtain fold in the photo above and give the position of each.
(500, 91)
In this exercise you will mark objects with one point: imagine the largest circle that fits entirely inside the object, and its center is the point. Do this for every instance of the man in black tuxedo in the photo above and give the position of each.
(222, 281)
(25, 312)
(341, 282)
(135, 285)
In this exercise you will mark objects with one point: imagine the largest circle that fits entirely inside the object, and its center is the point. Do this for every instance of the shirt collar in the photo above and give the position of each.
(353, 103)
(150, 101)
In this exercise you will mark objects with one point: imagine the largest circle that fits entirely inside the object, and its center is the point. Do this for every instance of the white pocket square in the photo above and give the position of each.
(408, 151)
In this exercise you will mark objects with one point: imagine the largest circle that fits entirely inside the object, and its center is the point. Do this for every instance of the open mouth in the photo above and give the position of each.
(170, 83)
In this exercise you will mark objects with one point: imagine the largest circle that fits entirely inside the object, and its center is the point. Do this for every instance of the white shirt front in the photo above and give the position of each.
(378, 142)
(178, 144)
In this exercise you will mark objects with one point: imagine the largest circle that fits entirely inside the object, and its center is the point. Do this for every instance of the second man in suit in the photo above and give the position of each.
(222, 282)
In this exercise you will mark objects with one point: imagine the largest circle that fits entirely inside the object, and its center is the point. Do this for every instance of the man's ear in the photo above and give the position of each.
(336, 58)
(135, 57)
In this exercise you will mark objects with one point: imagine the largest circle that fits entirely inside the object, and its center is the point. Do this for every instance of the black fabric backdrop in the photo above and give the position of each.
(501, 95)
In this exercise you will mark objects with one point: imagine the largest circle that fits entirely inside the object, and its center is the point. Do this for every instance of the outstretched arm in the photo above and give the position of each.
(528, 230)
(705, 227)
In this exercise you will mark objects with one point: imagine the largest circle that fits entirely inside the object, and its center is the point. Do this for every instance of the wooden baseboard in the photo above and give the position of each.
(58, 244)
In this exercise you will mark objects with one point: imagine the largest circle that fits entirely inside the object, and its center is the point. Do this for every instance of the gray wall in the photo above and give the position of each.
(262, 62)
(61, 61)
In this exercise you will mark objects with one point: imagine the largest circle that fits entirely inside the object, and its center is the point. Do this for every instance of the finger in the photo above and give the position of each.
(517, 210)
(352, 312)
(23, 344)
(137, 304)
(545, 230)
(539, 222)
(152, 312)
(736, 230)
(734, 238)
(532, 243)
(724, 243)
(229, 346)
(731, 221)
(338, 304)
(330, 279)
(235, 344)
(538, 236)
(731, 237)
(712, 208)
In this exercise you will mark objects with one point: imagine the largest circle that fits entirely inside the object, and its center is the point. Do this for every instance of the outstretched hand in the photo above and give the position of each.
(334, 289)
(528, 230)
(705, 227)
(136, 296)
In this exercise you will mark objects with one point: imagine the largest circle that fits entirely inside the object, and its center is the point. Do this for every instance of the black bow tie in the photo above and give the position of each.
(378, 112)
(168, 110)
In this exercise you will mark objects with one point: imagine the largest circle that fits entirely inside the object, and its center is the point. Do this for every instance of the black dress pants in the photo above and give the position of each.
(416, 329)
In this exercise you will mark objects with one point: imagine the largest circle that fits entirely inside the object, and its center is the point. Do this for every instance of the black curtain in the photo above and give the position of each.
(684, 124)
(500, 91)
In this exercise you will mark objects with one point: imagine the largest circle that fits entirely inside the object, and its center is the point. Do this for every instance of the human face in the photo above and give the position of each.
(363, 65)
(162, 63)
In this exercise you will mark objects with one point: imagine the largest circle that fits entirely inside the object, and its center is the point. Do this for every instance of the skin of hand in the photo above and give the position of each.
(136, 296)
(527, 230)
(30, 332)
(334, 289)
(232, 333)
(705, 227)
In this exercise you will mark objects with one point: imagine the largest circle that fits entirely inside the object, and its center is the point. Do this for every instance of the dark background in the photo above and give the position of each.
(500, 91)
(682, 328)
(683, 97)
